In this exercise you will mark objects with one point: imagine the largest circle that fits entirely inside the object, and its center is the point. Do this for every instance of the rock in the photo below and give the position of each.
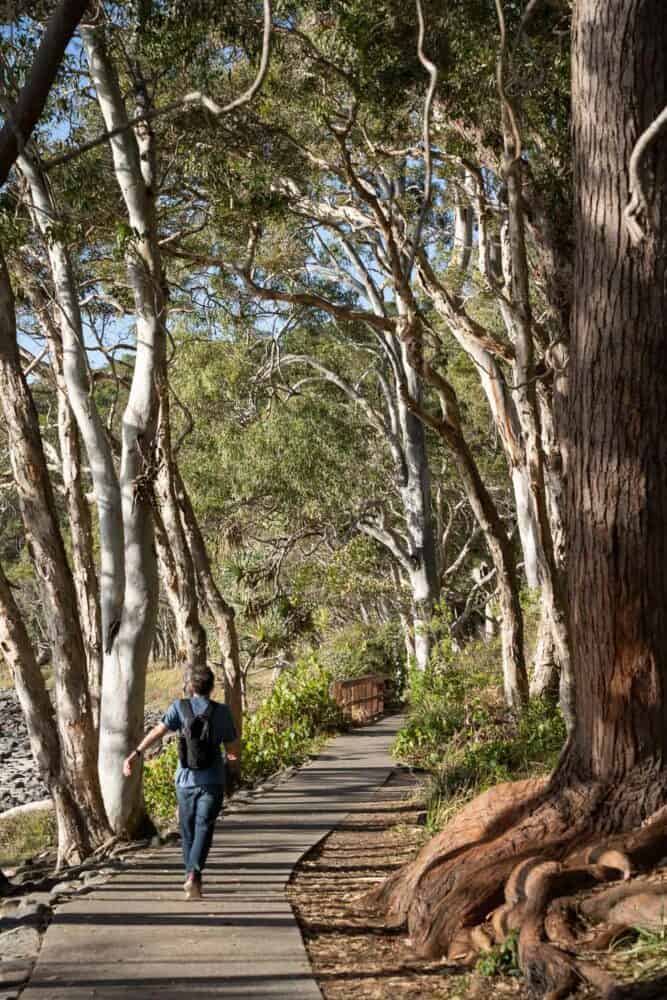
(14, 972)
(23, 942)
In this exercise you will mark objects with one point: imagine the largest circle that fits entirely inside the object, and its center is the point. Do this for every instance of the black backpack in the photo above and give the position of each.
(196, 749)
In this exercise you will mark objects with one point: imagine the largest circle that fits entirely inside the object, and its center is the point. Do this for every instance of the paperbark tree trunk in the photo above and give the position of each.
(511, 628)
(81, 534)
(67, 317)
(190, 644)
(124, 681)
(22, 118)
(79, 519)
(74, 842)
(222, 612)
(176, 562)
(420, 530)
(463, 223)
(519, 321)
(74, 717)
(486, 514)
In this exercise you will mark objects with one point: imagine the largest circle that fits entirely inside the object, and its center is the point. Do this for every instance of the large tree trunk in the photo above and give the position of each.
(604, 812)
(76, 731)
(124, 681)
(617, 473)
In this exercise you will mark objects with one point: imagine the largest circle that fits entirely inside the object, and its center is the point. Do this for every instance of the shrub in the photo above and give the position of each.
(159, 788)
(459, 729)
(281, 732)
(502, 960)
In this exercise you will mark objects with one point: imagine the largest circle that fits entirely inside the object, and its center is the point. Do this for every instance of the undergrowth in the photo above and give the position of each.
(501, 960)
(645, 957)
(23, 836)
(460, 731)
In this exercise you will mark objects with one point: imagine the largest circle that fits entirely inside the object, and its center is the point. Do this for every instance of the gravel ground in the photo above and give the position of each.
(19, 781)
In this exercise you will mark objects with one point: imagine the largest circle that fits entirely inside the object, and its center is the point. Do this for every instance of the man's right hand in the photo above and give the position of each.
(128, 764)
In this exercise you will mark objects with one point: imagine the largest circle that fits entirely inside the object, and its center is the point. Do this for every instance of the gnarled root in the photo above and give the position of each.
(514, 859)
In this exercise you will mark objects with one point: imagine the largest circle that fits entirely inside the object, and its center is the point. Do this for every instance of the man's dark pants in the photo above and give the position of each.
(198, 808)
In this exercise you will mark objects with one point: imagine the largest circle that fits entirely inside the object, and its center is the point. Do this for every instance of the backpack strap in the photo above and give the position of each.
(186, 709)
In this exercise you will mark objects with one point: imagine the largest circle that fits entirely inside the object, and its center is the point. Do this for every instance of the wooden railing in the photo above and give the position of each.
(360, 698)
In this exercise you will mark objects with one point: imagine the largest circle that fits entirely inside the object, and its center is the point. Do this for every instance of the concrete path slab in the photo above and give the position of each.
(136, 937)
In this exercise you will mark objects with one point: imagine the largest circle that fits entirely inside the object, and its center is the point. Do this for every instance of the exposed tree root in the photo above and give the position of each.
(515, 860)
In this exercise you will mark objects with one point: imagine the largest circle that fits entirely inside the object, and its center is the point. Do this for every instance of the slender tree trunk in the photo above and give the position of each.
(500, 547)
(222, 612)
(486, 514)
(520, 323)
(420, 528)
(67, 318)
(176, 563)
(190, 651)
(74, 842)
(545, 678)
(83, 562)
(463, 223)
(77, 735)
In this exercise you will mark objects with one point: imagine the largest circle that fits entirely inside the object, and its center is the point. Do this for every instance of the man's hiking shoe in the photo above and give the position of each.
(192, 887)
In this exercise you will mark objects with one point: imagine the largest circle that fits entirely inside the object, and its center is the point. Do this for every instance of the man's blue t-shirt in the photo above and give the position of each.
(223, 731)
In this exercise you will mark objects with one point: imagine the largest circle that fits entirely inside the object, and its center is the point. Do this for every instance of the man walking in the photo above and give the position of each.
(200, 777)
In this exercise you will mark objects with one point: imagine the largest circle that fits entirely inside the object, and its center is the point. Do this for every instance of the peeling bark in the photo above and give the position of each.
(222, 612)
(124, 681)
(74, 717)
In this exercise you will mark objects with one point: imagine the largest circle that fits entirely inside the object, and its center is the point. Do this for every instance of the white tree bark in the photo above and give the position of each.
(124, 682)
(420, 530)
(75, 372)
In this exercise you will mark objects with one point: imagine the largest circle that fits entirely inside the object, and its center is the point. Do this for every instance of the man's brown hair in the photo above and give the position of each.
(200, 681)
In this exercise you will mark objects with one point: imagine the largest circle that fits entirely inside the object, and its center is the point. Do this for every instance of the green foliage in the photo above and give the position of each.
(282, 730)
(360, 649)
(451, 702)
(159, 788)
(642, 958)
(459, 728)
(501, 960)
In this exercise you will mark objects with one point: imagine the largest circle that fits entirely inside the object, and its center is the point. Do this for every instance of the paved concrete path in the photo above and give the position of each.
(136, 937)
